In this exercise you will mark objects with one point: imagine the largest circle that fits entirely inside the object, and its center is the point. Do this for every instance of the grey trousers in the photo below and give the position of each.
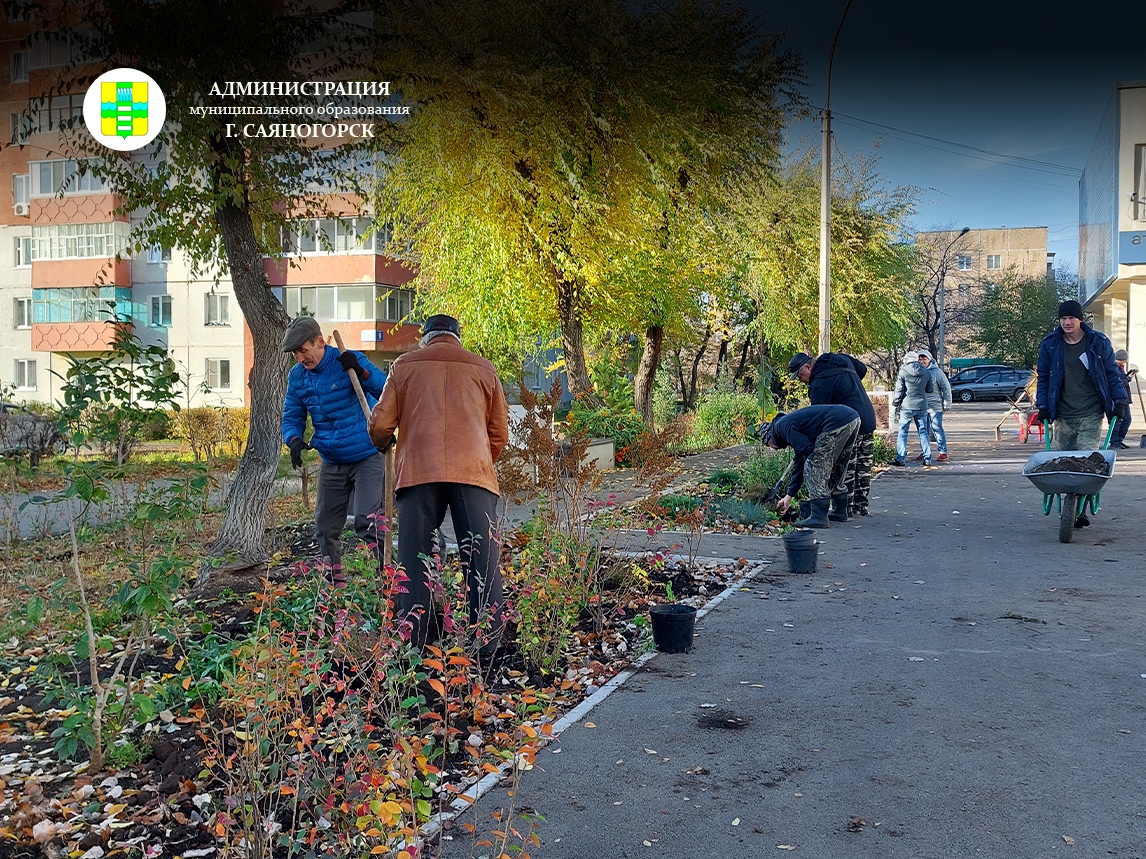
(354, 487)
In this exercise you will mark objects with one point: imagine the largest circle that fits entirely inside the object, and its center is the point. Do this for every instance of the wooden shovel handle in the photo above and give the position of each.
(388, 459)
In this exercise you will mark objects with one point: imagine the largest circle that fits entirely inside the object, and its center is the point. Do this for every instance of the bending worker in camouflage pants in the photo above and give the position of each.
(821, 438)
(835, 379)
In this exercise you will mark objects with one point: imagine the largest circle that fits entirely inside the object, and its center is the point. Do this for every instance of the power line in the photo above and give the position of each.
(972, 151)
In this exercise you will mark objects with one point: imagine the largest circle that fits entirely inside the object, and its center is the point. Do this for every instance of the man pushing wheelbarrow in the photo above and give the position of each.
(1078, 383)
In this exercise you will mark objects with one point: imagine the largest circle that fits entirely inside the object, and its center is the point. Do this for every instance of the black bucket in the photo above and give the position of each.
(800, 547)
(672, 627)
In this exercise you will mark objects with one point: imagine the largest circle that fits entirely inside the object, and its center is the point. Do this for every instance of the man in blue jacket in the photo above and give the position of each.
(836, 379)
(1078, 383)
(821, 438)
(352, 470)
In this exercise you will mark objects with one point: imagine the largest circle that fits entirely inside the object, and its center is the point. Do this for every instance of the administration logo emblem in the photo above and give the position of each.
(124, 109)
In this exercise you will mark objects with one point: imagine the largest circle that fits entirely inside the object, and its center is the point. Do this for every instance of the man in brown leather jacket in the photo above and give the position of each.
(450, 408)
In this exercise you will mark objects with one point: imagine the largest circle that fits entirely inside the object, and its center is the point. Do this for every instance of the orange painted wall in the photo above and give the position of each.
(80, 272)
(72, 336)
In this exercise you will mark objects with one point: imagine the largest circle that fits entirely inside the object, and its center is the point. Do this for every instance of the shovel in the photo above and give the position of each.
(774, 493)
(388, 488)
(1142, 403)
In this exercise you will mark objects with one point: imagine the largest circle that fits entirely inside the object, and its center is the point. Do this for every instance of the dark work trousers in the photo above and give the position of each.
(421, 510)
(348, 486)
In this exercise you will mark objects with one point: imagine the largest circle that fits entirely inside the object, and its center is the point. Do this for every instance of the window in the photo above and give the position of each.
(23, 251)
(994, 261)
(20, 67)
(23, 313)
(1139, 196)
(964, 261)
(25, 375)
(70, 177)
(157, 254)
(20, 185)
(329, 235)
(345, 303)
(218, 374)
(81, 304)
(52, 50)
(19, 128)
(79, 241)
(51, 113)
(397, 305)
(161, 311)
(964, 290)
(217, 309)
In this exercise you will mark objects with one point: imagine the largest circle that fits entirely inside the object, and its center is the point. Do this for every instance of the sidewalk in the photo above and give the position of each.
(951, 682)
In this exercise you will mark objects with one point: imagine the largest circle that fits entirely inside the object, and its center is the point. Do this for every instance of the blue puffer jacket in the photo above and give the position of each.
(835, 379)
(1101, 365)
(325, 393)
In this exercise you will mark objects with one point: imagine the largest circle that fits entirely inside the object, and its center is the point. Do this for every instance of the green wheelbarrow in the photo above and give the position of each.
(1077, 492)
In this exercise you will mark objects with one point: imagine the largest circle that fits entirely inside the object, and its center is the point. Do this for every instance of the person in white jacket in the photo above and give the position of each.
(938, 401)
(910, 399)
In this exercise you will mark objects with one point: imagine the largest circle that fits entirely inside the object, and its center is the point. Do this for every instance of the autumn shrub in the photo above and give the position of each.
(236, 426)
(623, 425)
(201, 428)
(724, 417)
(762, 471)
(883, 449)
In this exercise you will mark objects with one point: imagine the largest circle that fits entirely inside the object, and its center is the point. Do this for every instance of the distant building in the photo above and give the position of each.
(1112, 223)
(971, 263)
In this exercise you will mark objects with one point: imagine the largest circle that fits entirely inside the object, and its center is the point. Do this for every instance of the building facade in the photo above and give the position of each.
(965, 264)
(61, 284)
(1112, 223)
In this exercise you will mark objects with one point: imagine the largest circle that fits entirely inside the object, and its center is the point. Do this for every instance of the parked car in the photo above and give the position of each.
(22, 431)
(976, 372)
(993, 385)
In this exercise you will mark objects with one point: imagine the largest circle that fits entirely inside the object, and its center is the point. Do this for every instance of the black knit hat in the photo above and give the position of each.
(1070, 308)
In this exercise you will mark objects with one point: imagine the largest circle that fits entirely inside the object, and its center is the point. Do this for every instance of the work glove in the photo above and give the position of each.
(1044, 416)
(297, 446)
(349, 361)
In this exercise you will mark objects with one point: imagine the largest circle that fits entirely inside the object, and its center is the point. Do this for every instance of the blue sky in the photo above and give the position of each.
(990, 108)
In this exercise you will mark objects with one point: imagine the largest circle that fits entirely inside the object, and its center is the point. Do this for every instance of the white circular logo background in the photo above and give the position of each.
(124, 109)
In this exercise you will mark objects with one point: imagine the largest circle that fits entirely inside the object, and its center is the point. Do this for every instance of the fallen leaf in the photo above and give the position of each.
(590, 725)
(650, 751)
(915, 659)
(1068, 839)
(785, 846)
(736, 822)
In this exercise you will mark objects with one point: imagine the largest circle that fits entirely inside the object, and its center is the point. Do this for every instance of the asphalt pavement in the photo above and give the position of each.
(952, 681)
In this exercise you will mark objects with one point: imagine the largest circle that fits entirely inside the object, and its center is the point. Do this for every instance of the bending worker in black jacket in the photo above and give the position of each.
(822, 438)
(836, 379)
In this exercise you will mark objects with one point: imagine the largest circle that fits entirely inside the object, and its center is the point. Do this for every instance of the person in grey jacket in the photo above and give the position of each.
(938, 401)
(910, 399)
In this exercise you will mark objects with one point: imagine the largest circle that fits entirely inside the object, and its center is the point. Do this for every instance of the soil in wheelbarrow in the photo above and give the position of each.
(1094, 464)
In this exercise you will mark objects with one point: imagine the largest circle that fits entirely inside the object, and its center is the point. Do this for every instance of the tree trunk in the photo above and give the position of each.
(647, 371)
(572, 341)
(240, 540)
(689, 397)
(742, 364)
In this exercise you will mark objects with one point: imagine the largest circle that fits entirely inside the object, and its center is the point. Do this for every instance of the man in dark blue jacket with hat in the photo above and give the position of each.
(352, 470)
(821, 438)
(836, 379)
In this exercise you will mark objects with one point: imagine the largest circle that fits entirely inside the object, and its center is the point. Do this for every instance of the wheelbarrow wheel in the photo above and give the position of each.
(1066, 519)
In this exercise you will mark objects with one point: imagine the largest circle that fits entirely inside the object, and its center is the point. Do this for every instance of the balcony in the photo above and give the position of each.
(73, 336)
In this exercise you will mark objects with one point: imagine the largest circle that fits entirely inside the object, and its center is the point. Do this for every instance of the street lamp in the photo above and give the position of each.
(826, 203)
(941, 352)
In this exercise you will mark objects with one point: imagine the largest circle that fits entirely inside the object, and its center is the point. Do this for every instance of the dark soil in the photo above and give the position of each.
(1094, 464)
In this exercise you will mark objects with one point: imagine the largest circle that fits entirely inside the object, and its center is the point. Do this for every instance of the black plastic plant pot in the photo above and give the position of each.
(672, 627)
(800, 547)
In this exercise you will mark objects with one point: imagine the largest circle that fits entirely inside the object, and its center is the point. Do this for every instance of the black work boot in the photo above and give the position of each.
(839, 508)
(818, 518)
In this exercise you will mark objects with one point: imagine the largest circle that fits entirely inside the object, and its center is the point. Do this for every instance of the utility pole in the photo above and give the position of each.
(826, 202)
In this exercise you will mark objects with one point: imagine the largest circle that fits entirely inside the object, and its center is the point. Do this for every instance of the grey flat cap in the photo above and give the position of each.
(301, 330)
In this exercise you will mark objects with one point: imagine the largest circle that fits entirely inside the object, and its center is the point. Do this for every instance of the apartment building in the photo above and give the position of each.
(967, 263)
(60, 281)
(1112, 223)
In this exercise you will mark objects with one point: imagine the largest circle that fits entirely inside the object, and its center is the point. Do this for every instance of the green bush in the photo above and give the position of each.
(625, 428)
(676, 503)
(740, 511)
(761, 472)
(884, 452)
(725, 417)
(724, 479)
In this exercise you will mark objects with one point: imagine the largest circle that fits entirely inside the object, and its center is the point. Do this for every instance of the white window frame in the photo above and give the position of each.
(52, 53)
(19, 66)
(347, 236)
(23, 372)
(994, 262)
(157, 255)
(214, 369)
(964, 262)
(65, 175)
(22, 313)
(22, 252)
(79, 241)
(160, 316)
(21, 188)
(216, 309)
(49, 111)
